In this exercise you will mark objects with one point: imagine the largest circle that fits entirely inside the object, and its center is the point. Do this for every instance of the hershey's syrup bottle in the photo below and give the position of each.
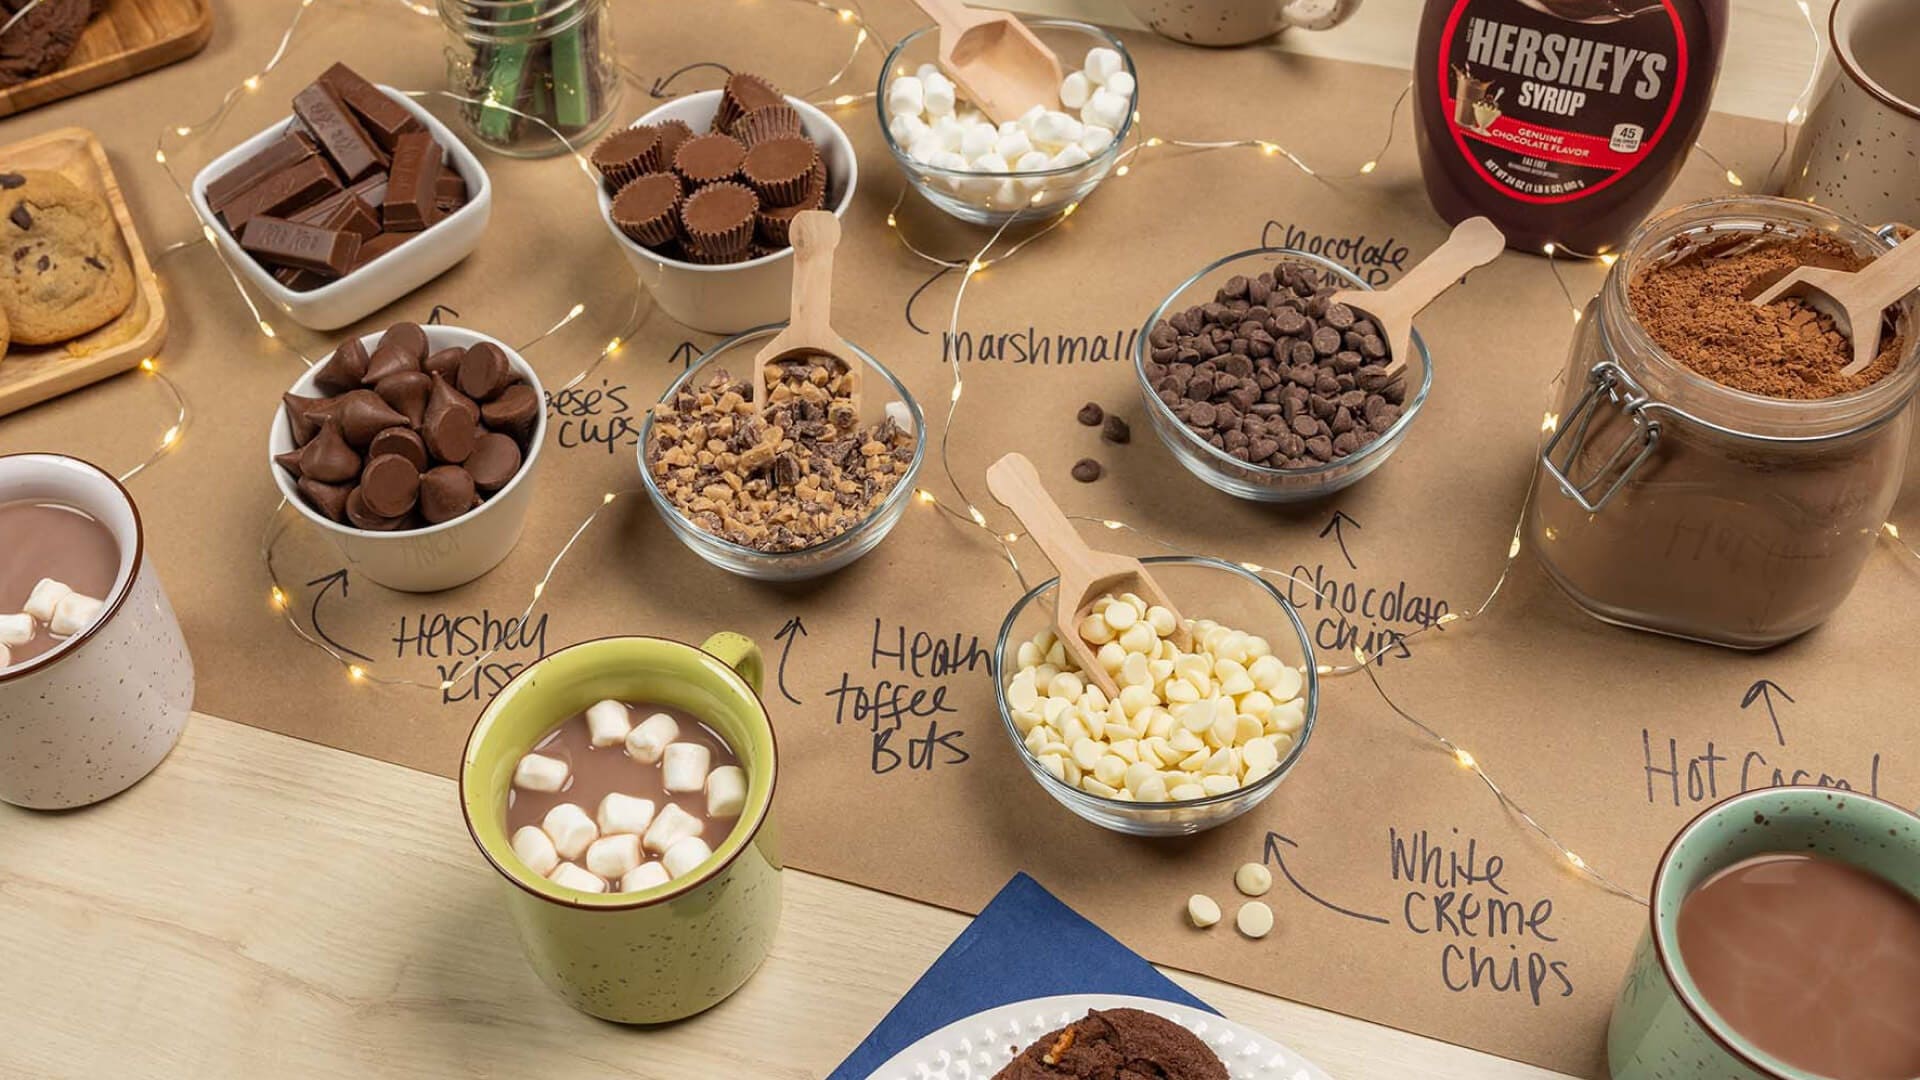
(1564, 121)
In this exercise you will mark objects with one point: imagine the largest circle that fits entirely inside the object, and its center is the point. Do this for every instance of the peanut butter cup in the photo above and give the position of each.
(743, 94)
(646, 209)
(708, 159)
(771, 223)
(625, 155)
(779, 170)
(719, 220)
(672, 134)
(769, 122)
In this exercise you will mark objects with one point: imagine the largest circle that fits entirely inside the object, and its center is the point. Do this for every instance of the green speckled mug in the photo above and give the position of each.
(1662, 1029)
(667, 952)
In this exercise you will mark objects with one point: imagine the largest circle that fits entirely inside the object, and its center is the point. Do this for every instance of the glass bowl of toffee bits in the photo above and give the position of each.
(1266, 391)
(792, 492)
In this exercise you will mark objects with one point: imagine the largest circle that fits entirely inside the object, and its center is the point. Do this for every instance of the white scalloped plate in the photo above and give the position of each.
(983, 1044)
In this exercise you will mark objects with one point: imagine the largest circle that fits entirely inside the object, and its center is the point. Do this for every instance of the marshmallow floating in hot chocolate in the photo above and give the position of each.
(56, 563)
(605, 804)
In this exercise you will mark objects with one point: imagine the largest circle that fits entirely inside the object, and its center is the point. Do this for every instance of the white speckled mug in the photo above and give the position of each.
(1237, 22)
(1859, 151)
(92, 717)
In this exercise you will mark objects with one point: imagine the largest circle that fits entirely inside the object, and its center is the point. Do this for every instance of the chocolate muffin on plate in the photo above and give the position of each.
(1117, 1044)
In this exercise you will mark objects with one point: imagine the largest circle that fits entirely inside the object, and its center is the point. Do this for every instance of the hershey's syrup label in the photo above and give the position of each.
(1552, 100)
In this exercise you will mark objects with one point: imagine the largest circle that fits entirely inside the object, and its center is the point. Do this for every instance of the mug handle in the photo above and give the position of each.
(1317, 14)
(738, 652)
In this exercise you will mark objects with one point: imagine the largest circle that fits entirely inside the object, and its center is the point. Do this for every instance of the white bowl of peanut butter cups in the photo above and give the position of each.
(698, 291)
(463, 506)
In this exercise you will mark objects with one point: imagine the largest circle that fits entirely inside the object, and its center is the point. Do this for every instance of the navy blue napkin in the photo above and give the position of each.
(1026, 944)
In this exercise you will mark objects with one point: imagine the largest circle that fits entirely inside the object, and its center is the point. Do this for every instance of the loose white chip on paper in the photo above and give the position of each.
(1255, 919)
(608, 723)
(538, 772)
(1253, 879)
(1202, 910)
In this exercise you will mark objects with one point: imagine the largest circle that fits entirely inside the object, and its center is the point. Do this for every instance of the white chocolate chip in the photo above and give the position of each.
(612, 856)
(608, 723)
(1253, 879)
(538, 772)
(1255, 919)
(47, 594)
(571, 829)
(644, 876)
(535, 848)
(1202, 911)
(569, 876)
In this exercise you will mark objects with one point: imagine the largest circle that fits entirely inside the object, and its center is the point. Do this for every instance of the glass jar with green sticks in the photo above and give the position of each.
(537, 74)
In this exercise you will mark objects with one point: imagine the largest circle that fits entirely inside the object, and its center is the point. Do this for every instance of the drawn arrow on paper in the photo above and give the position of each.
(659, 88)
(792, 631)
(326, 582)
(1275, 857)
(1339, 536)
(684, 354)
(1764, 691)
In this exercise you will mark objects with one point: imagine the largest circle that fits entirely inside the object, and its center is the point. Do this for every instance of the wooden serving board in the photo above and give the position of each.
(32, 374)
(128, 38)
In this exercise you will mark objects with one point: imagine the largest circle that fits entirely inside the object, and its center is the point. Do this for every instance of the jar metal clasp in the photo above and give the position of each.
(1607, 387)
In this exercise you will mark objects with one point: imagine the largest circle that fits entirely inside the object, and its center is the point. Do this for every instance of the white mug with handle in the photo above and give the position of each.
(1856, 153)
(1237, 22)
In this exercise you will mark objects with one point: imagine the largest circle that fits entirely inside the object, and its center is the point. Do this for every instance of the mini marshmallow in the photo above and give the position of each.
(907, 130)
(924, 148)
(1031, 117)
(925, 72)
(645, 876)
(1032, 161)
(1101, 64)
(623, 814)
(684, 767)
(949, 132)
(1093, 139)
(47, 594)
(535, 848)
(1107, 109)
(726, 791)
(938, 95)
(906, 96)
(1012, 146)
(949, 159)
(613, 856)
(669, 827)
(1009, 195)
(991, 162)
(651, 737)
(1010, 127)
(16, 629)
(1120, 83)
(1056, 129)
(538, 772)
(1070, 156)
(978, 140)
(6, 657)
(571, 829)
(608, 723)
(683, 856)
(1075, 91)
(569, 876)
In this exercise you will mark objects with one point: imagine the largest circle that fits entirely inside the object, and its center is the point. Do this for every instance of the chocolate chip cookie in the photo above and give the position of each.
(43, 38)
(63, 270)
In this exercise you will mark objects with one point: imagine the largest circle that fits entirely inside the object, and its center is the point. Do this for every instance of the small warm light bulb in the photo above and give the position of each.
(1252, 568)
(574, 312)
(1892, 530)
(976, 266)
(1514, 547)
(845, 99)
(538, 588)
(1269, 149)
(607, 498)
(1734, 178)
(173, 433)
(1465, 759)
(147, 365)
(891, 223)
(923, 495)
(1369, 167)
(355, 672)
(846, 15)
(1576, 315)
(1578, 862)
(1071, 207)
(1115, 525)
(1011, 537)
(1549, 422)
(160, 156)
(1155, 140)
(979, 518)
(955, 396)
(279, 598)
(445, 685)
(1123, 170)
(1793, 115)
(183, 131)
(1549, 249)
(252, 82)
(267, 328)
(613, 346)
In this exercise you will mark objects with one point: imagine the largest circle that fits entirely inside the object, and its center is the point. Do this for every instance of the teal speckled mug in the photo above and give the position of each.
(673, 950)
(1662, 1029)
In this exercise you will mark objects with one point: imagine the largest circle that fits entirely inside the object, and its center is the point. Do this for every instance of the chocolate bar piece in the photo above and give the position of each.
(303, 247)
(449, 191)
(408, 206)
(290, 149)
(300, 280)
(345, 212)
(379, 246)
(339, 134)
(285, 192)
(386, 118)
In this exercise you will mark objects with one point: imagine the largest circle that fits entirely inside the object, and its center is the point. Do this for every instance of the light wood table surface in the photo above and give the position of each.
(265, 907)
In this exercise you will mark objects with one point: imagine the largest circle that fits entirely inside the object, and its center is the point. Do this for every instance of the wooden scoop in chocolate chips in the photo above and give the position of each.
(1854, 300)
(1085, 574)
(995, 60)
(1475, 243)
(814, 234)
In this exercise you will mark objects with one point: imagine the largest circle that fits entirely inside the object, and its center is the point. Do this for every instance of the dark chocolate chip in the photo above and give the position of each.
(20, 218)
(1087, 470)
(1116, 430)
(1091, 414)
(11, 180)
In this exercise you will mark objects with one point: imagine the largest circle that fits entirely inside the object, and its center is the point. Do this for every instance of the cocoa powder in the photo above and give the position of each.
(1696, 308)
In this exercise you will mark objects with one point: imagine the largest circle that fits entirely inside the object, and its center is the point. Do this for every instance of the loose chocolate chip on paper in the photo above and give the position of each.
(1087, 470)
(1091, 414)
(1116, 430)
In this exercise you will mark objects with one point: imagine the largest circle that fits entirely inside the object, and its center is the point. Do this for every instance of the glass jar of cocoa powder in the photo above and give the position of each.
(1668, 500)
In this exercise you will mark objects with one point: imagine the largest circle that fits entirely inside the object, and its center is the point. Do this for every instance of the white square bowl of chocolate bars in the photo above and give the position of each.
(358, 198)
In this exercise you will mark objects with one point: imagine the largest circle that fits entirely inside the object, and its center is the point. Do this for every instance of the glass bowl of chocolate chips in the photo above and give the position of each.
(1264, 389)
(795, 490)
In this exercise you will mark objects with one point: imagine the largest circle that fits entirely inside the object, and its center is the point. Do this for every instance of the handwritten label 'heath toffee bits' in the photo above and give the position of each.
(1273, 374)
(1187, 725)
(798, 475)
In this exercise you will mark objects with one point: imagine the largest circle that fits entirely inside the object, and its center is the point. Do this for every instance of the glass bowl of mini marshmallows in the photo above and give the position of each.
(1196, 737)
(1025, 169)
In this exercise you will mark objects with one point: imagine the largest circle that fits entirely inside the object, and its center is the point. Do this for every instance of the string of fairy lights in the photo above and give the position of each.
(967, 512)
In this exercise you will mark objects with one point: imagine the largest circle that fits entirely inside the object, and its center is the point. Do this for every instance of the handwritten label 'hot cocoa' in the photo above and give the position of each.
(901, 696)
(1688, 774)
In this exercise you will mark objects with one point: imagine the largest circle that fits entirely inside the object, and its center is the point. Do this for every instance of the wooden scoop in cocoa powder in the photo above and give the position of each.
(1854, 300)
